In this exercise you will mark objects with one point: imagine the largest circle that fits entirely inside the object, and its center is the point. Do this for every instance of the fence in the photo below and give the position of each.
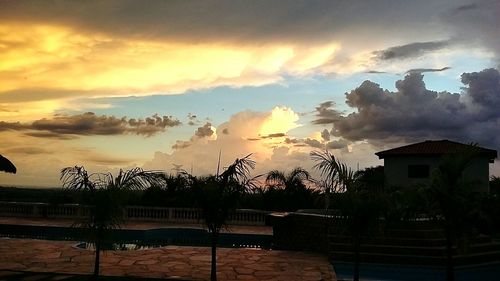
(131, 213)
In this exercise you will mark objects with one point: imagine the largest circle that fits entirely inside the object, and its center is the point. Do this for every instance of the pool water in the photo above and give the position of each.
(141, 238)
(134, 247)
(384, 272)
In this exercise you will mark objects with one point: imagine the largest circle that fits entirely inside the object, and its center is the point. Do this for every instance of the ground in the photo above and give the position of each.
(191, 263)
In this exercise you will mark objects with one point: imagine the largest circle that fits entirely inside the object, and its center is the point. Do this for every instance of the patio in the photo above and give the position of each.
(185, 263)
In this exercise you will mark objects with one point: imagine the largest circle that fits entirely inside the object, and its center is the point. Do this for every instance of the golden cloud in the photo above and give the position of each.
(45, 56)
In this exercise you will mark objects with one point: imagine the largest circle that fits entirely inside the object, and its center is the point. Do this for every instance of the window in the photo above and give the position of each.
(418, 171)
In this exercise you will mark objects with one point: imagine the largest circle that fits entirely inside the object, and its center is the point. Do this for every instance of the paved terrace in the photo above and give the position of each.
(192, 263)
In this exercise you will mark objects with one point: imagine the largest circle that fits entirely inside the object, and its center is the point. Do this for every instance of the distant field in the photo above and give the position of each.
(50, 195)
(44, 195)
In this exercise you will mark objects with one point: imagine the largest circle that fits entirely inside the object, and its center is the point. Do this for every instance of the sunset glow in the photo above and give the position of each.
(118, 84)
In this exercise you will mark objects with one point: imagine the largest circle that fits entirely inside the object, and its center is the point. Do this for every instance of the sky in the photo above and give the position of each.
(156, 84)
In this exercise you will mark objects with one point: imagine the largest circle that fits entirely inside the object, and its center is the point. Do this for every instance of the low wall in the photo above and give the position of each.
(131, 213)
(296, 231)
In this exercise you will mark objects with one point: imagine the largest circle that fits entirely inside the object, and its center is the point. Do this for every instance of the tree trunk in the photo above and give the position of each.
(356, 257)
(97, 253)
(213, 272)
(450, 273)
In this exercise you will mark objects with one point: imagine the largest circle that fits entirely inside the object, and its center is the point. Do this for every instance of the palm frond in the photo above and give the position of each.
(276, 178)
(299, 173)
(76, 178)
(253, 184)
(328, 166)
(239, 170)
(138, 179)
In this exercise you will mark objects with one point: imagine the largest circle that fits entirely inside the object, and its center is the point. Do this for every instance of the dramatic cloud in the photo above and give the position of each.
(87, 124)
(422, 70)
(325, 135)
(202, 152)
(204, 131)
(319, 144)
(74, 49)
(410, 50)
(476, 23)
(260, 21)
(415, 113)
(326, 114)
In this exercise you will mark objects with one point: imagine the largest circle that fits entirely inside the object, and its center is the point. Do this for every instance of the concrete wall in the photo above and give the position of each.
(396, 171)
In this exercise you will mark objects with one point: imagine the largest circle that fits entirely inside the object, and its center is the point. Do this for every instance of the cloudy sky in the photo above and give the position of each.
(119, 84)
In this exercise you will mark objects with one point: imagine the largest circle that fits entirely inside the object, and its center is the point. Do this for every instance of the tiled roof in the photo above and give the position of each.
(437, 147)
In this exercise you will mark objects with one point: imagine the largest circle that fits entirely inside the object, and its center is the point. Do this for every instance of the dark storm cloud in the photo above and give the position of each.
(410, 50)
(325, 135)
(422, 70)
(336, 144)
(62, 126)
(326, 114)
(476, 23)
(416, 113)
(314, 143)
(228, 20)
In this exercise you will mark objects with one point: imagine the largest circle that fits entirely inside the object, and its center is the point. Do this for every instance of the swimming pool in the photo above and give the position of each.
(384, 272)
(145, 238)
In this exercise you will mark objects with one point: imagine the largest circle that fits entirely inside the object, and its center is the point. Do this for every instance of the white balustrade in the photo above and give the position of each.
(131, 213)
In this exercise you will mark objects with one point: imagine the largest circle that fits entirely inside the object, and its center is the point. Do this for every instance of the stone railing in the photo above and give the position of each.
(131, 213)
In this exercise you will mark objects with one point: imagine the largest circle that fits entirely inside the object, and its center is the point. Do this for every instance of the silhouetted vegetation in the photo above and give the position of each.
(358, 204)
(104, 195)
(7, 166)
(452, 200)
(217, 196)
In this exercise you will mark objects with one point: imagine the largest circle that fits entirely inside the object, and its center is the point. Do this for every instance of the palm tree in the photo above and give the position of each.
(355, 202)
(217, 198)
(103, 193)
(326, 163)
(6, 165)
(294, 181)
(291, 187)
(451, 197)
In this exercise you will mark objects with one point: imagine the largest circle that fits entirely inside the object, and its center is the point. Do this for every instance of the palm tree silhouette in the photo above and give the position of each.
(290, 188)
(217, 198)
(104, 193)
(450, 196)
(6, 165)
(356, 204)
(294, 181)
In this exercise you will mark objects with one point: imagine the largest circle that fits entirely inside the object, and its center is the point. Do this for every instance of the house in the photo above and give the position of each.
(413, 164)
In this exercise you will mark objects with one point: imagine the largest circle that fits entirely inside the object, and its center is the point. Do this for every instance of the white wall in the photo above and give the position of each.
(396, 171)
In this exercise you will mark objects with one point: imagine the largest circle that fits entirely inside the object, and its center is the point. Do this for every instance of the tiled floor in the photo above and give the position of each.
(185, 262)
(191, 263)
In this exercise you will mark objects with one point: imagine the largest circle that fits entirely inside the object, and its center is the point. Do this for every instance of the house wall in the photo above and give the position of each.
(396, 171)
